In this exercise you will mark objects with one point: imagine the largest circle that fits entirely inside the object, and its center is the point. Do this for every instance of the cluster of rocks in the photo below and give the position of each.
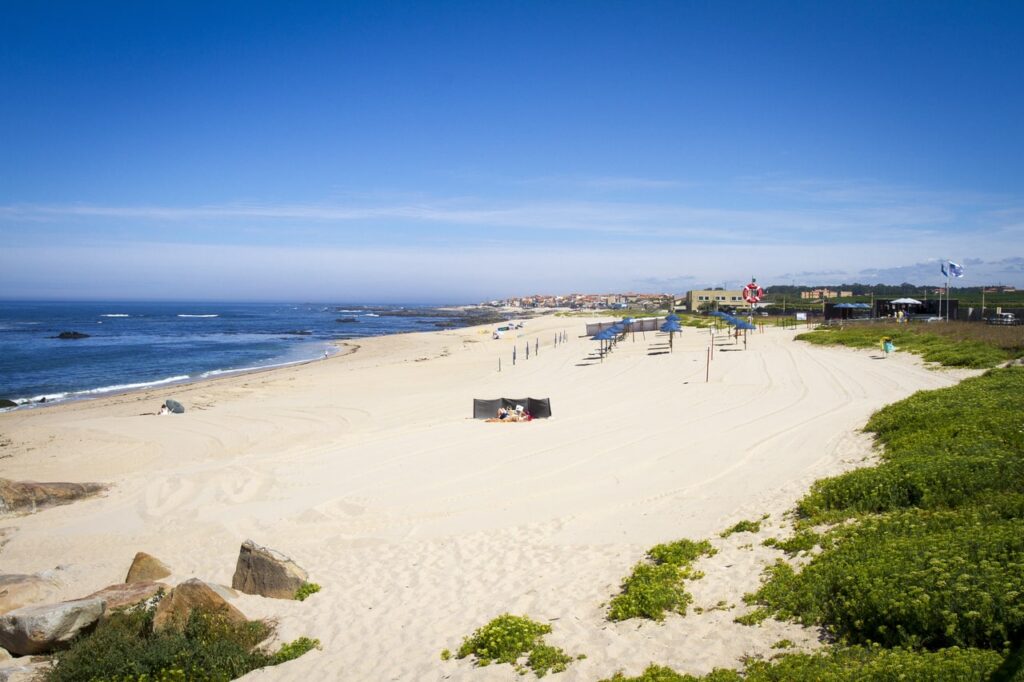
(31, 626)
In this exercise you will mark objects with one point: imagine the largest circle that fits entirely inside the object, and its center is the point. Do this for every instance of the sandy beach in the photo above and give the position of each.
(422, 524)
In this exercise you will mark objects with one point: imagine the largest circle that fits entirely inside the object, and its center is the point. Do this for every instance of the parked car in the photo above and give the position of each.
(1006, 319)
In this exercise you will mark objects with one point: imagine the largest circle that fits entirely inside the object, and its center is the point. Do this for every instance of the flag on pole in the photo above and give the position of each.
(956, 270)
(942, 269)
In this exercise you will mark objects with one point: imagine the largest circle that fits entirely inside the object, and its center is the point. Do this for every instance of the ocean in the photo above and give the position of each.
(139, 345)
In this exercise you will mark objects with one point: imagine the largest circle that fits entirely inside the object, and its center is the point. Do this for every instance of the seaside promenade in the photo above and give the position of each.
(422, 524)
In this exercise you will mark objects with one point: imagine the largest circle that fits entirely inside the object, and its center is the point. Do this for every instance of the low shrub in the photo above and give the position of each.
(743, 527)
(922, 579)
(210, 648)
(508, 638)
(306, 590)
(943, 449)
(848, 664)
(655, 587)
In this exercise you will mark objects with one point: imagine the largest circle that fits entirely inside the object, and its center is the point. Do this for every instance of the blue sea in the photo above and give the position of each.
(139, 345)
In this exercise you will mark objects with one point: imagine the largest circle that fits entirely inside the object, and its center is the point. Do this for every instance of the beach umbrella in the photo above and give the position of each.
(906, 301)
(174, 406)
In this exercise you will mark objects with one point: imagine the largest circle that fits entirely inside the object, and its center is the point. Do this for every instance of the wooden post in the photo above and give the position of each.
(707, 366)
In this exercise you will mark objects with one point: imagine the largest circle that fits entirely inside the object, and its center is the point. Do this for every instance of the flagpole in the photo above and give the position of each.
(947, 294)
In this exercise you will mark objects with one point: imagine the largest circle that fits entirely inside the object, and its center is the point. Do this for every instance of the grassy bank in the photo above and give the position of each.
(914, 567)
(951, 344)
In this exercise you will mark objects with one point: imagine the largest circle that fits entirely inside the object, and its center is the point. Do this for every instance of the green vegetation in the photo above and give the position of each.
(848, 664)
(209, 649)
(656, 586)
(743, 527)
(943, 449)
(950, 344)
(803, 541)
(306, 590)
(933, 560)
(508, 638)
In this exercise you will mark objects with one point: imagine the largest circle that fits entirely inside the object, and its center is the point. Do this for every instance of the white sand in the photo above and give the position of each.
(422, 524)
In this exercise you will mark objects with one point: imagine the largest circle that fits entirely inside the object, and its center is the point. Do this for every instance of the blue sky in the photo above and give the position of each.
(458, 151)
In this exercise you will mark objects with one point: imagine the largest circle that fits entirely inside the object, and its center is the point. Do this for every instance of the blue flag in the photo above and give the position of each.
(956, 270)
(942, 269)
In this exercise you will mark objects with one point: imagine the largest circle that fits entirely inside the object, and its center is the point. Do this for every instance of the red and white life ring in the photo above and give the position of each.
(752, 293)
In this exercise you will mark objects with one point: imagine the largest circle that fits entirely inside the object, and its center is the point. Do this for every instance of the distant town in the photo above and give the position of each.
(779, 295)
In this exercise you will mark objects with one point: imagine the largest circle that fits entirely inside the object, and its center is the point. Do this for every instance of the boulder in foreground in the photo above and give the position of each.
(146, 567)
(266, 572)
(30, 496)
(174, 609)
(34, 630)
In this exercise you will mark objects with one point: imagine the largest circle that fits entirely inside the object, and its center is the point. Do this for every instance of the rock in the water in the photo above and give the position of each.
(263, 571)
(34, 630)
(189, 596)
(4, 402)
(21, 590)
(19, 496)
(146, 567)
(71, 335)
(127, 594)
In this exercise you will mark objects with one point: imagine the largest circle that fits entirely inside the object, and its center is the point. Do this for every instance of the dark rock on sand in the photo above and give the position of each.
(146, 567)
(266, 572)
(34, 630)
(71, 335)
(20, 496)
(174, 609)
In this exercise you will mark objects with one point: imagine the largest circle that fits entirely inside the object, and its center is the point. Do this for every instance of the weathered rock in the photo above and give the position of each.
(41, 629)
(25, 672)
(127, 594)
(266, 572)
(71, 335)
(17, 590)
(4, 402)
(22, 496)
(174, 609)
(146, 567)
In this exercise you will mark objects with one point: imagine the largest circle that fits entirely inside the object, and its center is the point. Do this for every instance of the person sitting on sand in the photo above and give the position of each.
(502, 413)
(164, 409)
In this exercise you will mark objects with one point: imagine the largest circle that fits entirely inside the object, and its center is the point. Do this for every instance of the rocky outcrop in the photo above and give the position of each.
(192, 595)
(146, 567)
(18, 590)
(29, 496)
(266, 572)
(4, 402)
(34, 630)
(71, 335)
(123, 595)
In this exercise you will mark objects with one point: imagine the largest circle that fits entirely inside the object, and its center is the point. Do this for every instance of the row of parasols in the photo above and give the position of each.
(609, 335)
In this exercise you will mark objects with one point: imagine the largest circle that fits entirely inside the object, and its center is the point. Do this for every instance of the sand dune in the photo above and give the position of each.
(422, 524)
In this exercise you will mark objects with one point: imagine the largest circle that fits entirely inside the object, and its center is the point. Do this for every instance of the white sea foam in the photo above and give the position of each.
(128, 387)
(184, 315)
(371, 315)
(116, 315)
(58, 397)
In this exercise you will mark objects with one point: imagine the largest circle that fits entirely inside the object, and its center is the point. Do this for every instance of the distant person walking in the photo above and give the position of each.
(887, 346)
